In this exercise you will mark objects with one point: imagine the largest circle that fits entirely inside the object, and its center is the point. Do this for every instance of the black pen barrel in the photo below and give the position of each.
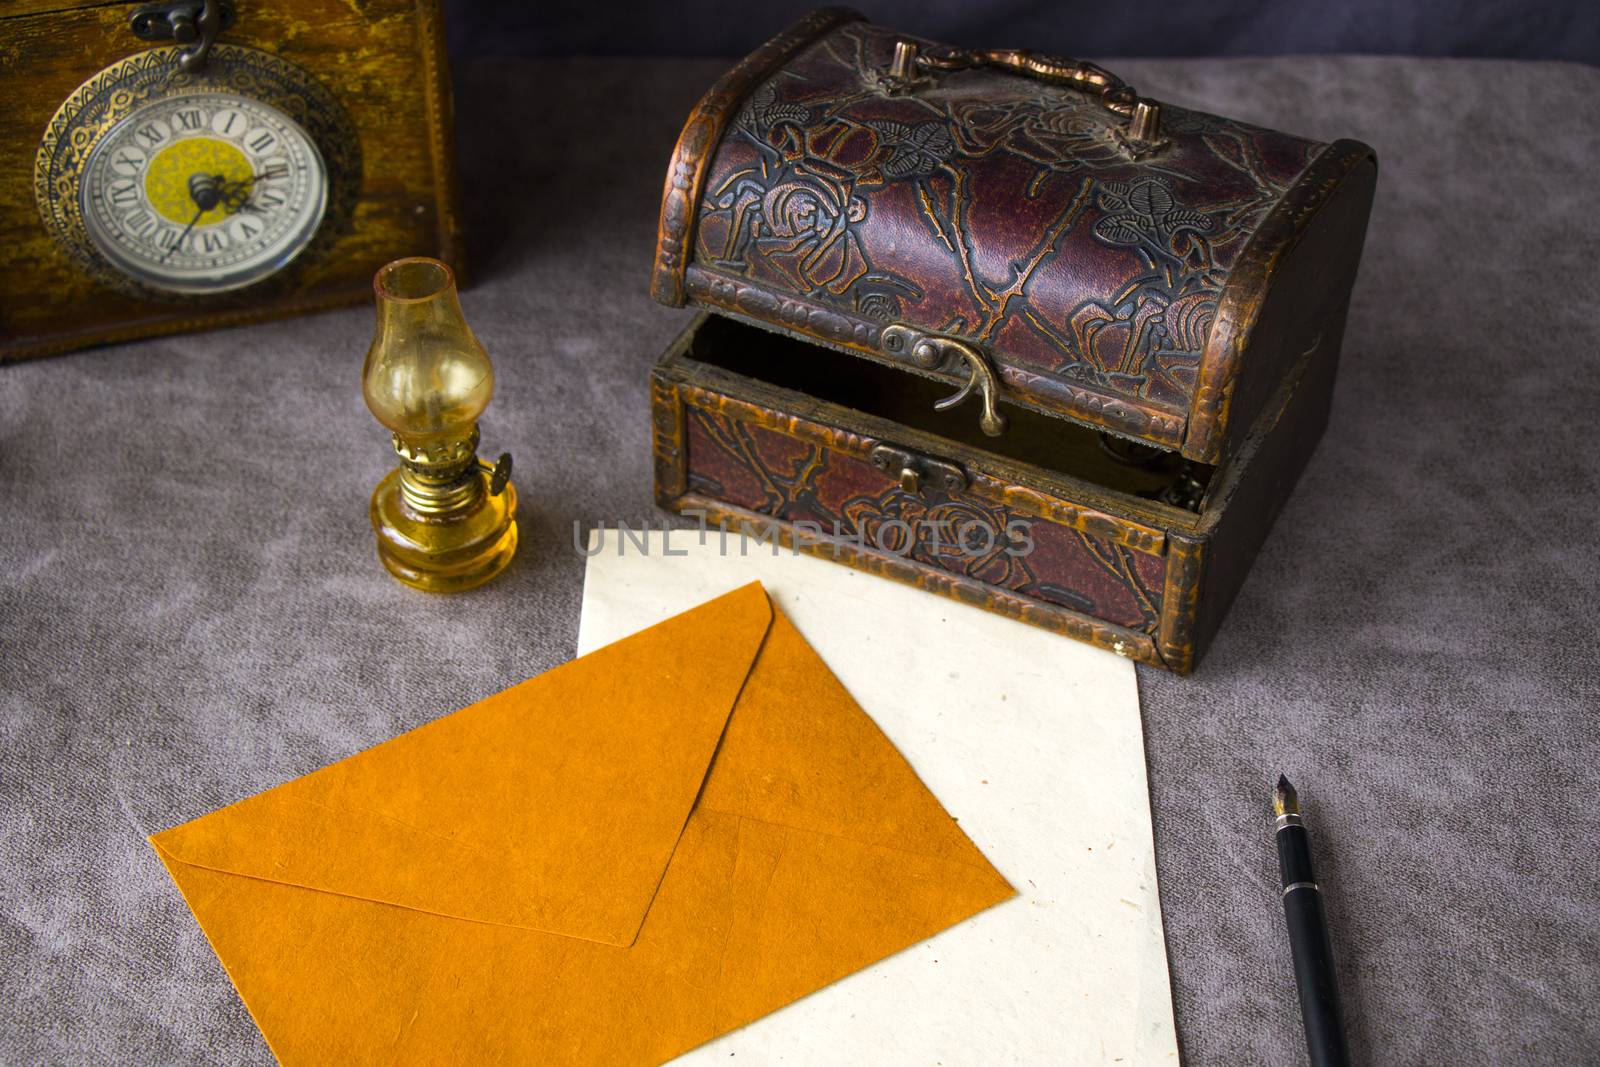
(1313, 954)
(1294, 856)
(1313, 971)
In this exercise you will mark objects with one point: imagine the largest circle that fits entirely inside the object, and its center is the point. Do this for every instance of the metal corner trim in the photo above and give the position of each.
(1180, 602)
(1246, 293)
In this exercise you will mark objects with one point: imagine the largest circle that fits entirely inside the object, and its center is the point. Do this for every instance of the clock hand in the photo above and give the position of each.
(205, 190)
(236, 195)
(210, 190)
(237, 199)
(175, 245)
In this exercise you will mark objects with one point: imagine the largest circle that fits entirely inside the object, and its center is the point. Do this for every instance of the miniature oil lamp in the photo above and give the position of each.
(445, 520)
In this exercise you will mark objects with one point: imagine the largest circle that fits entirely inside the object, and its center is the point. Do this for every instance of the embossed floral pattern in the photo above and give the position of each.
(801, 224)
(831, 493)
(1165, 313)
(1144, 212)
(1050, 130)
(913, 150)
(1001, 209)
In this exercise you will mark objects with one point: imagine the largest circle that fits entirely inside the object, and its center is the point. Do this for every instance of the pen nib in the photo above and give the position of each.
(1284, 799)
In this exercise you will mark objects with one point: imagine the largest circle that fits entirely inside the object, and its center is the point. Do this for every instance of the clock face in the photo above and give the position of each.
(203, 192)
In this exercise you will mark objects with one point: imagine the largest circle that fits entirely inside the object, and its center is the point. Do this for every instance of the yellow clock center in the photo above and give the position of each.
(166, 182)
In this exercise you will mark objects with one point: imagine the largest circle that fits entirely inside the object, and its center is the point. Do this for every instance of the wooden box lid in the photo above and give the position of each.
(1102, 275)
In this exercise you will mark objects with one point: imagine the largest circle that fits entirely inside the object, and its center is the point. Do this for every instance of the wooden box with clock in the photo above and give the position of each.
(198, 163)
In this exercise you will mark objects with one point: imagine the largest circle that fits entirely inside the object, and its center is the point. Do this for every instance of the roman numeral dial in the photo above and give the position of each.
(203, 192)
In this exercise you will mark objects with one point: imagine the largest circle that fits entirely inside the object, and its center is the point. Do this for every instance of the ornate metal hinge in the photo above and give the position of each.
(916, 472)
(947, 353)
(911, 65)
(188, 22)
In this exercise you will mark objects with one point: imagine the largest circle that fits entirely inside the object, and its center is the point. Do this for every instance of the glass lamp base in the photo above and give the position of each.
(445, 553)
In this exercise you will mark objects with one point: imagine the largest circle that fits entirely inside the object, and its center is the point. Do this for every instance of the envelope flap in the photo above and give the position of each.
(554, 805)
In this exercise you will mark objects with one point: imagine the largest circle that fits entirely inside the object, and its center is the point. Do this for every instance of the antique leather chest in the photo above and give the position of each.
(994, 324)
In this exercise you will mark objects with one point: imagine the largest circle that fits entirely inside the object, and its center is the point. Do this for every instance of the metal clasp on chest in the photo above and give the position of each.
(936, 352)
(916, 471)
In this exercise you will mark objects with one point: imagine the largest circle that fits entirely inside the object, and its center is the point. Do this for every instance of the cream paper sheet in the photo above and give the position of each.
(1032, 741)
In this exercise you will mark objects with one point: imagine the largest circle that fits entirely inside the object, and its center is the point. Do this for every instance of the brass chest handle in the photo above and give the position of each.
(933, 352)
(1143, 115)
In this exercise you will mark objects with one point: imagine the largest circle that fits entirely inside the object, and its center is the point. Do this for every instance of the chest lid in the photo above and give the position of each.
(1027, 229)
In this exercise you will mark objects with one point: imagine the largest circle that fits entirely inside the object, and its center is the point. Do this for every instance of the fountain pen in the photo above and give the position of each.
(1308, 935)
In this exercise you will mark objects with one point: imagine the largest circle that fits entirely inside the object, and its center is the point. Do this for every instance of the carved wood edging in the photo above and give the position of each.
(702, 132)
(1180, 602)
(1246, 294)
(668, 438)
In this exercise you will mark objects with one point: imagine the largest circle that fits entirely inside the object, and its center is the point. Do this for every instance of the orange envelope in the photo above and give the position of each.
(610, 863)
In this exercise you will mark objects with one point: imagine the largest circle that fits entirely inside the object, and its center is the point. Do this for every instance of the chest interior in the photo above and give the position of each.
(1132, 478)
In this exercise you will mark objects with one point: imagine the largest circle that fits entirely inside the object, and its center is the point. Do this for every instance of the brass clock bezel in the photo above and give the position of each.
(110, 95)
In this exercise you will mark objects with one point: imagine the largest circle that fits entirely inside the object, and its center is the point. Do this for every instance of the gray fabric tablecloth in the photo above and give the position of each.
(191, 611)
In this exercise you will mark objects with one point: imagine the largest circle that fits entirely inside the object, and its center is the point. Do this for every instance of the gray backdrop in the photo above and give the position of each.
(1525, 29)
(191, 611)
